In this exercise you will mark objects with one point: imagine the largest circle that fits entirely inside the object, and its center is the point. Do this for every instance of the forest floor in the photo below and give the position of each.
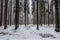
(29, 32)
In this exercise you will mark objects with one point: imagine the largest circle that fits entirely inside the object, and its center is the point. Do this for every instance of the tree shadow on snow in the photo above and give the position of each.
(47, 35)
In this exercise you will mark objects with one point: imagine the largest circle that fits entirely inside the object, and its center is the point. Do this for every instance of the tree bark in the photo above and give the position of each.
(44, 11)
(10, 11)
(57, 28)
(48, 12)
(37, 16)
(17, 15)
(5, 14)
(41, 12)
(25, 11)
(1, 13)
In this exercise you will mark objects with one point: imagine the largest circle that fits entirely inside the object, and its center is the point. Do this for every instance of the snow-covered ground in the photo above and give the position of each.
(29, 32)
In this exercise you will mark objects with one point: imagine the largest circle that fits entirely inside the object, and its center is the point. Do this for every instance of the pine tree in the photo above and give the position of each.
(44, 11)
(51, 11)
(5, 14)
(25, 10)
(1, 12)
(48, 12)
(56, 16)
(10, 10)
(37, 16)
(17, 15)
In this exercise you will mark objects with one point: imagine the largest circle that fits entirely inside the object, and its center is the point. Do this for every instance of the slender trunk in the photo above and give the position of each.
(44, 11)
(56, 16)
(51, 11)
(37, 16)
(17, 15)
(48, 12)
(41, 14)
(5, 14)
(1, 12)
(10, 11)
(25, 10)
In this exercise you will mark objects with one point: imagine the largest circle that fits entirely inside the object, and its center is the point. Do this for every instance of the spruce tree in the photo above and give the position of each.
(10, 11)
(1, 12)
(48, 12)
(17, 15)
(56, 16)
(44, 11)
(25, 10)
(37, 16)
(5, 14)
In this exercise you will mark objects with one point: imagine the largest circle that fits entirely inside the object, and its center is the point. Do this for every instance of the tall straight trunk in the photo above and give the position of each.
(34, 12)
(10, 11)
(25, 10)
(52, 13)
(44, 11)
(57, 29)
(37, 16)
(48, 12)
(17, 15)
(5, 14)
(1, 12)
(41, 13)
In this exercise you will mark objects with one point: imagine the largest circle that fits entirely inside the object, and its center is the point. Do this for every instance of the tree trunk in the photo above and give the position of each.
(1, 12)
(44, 11)
(5, 14)
(17, 15)
(41, 13)
(57, 29)
(48, 12)
(25, 10)
(37, 16)
(10, 11)
(51, 11)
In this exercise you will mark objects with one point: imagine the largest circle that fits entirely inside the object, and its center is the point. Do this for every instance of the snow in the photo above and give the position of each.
(29, 32)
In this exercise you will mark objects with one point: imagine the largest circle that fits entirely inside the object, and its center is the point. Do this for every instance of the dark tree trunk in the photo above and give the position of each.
(41, 12)
(25, 10)
(5, 14)
(44, 11)
(37, 16)
(48, 12)
(51, 11)
(1, 12)
(57, 16)
(17, 15)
